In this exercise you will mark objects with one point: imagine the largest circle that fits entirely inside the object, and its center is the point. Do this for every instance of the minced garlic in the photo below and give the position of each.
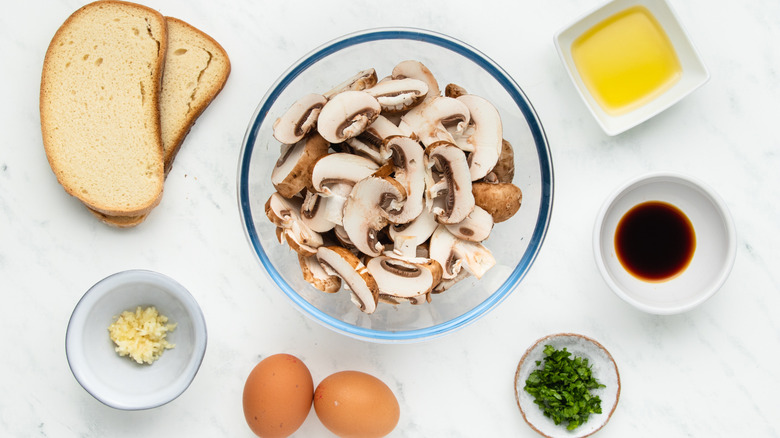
(141, 334)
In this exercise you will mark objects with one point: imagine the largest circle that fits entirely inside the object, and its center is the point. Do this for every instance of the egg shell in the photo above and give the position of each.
(356, 404)
(278, 396)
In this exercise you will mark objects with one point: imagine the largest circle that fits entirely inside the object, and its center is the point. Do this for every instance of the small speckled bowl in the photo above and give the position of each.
(604, 370)
(120, 382)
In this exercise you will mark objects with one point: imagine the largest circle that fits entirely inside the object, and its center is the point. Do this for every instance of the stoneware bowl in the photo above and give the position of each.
(714, 252)
(514, 243)
(120, 382)
(693, 72)
(604, 370)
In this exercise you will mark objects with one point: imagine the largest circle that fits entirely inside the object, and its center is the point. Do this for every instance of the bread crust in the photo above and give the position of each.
(49, 109)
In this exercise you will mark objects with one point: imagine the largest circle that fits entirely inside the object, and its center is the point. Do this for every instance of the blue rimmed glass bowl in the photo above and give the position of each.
(514, 243)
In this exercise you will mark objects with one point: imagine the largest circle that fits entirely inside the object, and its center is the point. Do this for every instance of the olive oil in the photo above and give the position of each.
(655, 241)
(626, 60)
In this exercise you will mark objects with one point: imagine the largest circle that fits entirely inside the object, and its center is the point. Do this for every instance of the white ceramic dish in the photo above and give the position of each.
(713, 256)
(694, 72)
(604, 370)
(119, 382)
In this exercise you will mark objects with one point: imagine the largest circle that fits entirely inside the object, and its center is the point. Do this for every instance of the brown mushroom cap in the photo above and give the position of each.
(501, 200)
(316, 275)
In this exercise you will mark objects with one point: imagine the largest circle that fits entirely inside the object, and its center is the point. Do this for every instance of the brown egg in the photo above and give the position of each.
(355, 404)
(277, 396)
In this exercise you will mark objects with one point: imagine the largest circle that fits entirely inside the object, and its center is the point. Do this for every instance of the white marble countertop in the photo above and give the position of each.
(709, 372)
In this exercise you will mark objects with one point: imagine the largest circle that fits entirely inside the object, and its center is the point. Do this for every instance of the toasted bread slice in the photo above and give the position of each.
(196, 69)
(99, 106)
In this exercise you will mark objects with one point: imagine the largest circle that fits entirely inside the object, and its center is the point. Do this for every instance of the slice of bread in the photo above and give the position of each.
(99, 106)
(196, 69)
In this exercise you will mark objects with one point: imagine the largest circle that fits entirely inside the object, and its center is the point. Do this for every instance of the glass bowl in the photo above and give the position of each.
(514, 243)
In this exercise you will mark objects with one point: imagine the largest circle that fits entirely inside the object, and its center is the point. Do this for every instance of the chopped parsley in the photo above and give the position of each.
(561, 388)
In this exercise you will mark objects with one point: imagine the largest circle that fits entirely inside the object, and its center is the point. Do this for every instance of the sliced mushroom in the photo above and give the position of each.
(315, 212)
(346, 115)
(429, 121)
(501, 200)
(477, 259)
(504, 170)
(403, 279)
(369, 142)
(342, 237)
(475, 228)
(299, 119)
(340, 168)
(484, 139)
(368, 209)
(284, 214)
(408, 161)
(454, 254)
(417, 70)
(316, 275)
(364, 291)
(360, 81)
(407, 238)
(333, 176)
(448, 183)
(454, 91)
(397, 95)
(293, 168)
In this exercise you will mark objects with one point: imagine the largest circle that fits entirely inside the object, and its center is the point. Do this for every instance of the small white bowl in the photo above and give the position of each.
(604, 370)
(119, 382)
(694, 73)
(712, 259)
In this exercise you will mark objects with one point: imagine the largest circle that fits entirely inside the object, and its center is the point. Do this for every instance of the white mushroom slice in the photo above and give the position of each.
(408, 161)
(315, 212)
(346, 115)
(429, 121)
(369, 142)
(407, 238)
(397, 95)
(417, 70)
(442, 249)
(448, 183)
(340, 168)
(292, 171)
(368, 209)
(475, 228)
(402, 279)
(485, 137)
(299, 119)
(363, 288)
(283, 213)
(360, 81)
(342, 237)
(316, 275)
(501, 200)
(477, 259)
(455, 254)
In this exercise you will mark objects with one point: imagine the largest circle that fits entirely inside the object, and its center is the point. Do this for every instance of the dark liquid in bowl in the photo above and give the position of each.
(655, 241)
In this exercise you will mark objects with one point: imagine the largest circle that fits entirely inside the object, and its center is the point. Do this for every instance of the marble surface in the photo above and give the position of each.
(709, 372)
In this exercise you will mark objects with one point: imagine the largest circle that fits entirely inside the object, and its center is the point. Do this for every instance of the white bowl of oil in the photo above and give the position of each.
(629, 60)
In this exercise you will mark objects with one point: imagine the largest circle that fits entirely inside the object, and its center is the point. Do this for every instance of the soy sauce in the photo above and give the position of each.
(655, 241)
